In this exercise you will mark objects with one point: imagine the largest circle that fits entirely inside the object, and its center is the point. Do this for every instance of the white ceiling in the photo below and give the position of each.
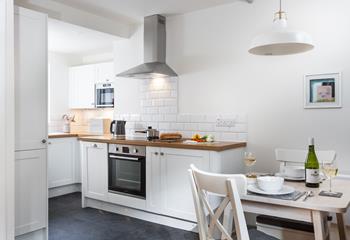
(134, 11)
(68, 38)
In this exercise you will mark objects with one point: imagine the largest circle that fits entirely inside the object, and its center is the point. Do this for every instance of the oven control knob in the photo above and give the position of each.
(117, 149)
(136, 151)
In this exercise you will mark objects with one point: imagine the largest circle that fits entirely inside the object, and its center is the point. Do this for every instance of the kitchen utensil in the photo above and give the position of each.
(270, 184)
(118, 128)
(285, 190)
(308, 194)
(151, 134)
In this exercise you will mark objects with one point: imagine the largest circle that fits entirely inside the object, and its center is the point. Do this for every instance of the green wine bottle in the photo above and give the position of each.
(312, 167)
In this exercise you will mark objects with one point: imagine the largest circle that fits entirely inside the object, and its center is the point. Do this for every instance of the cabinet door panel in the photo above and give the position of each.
(31, 191)
(105, 72)
(153, 180)
(177, 196)
(95, 170)
(82, 86)
(62, 161)
(30, 79)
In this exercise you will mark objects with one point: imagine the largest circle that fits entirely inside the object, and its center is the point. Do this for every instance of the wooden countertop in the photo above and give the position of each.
(215, 146)
(67, 135)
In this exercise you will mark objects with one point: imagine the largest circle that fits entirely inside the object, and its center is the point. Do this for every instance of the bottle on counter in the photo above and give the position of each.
(312, 167)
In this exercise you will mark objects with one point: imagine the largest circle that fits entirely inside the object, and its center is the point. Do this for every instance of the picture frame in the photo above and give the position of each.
(322, 90)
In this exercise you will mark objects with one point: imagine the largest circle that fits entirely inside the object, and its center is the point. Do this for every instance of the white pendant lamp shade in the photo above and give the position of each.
(280, 40)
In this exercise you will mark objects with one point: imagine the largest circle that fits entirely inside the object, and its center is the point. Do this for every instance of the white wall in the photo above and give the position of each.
(208, 49)
(127, 54)
(59, 83)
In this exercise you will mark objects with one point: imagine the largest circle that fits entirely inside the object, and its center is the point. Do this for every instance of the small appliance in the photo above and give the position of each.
(151, 134)
(104, 94)
(117, 128)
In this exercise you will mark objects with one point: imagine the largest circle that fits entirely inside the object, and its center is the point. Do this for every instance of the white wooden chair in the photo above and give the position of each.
(292, 157)
(229, 187)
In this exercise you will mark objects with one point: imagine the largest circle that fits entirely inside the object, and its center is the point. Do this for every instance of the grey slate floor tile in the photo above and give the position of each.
(68, 221)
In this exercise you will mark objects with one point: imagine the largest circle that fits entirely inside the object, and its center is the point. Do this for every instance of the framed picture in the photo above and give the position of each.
(322, 90)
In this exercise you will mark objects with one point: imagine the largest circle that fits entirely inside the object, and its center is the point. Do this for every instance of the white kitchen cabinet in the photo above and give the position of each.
(30, 48)
(31, 191)
(82, 80)
(62, 161)
(82, 86)
(30, 79)
(105, 72)
(169, 190)
(94, 170)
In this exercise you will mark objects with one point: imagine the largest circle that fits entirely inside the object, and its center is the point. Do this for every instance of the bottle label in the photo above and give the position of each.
(312, 176)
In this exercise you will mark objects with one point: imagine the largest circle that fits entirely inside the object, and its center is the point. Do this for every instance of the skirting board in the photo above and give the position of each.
(139, 214)
(63, 190)
(40, 234)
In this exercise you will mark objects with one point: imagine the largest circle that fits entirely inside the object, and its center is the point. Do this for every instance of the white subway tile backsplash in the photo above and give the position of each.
(198, 118)
(170, 117)
(205, 127)
(159, 109)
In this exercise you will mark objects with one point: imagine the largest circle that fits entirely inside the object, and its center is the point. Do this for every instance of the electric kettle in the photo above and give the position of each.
(118, 128)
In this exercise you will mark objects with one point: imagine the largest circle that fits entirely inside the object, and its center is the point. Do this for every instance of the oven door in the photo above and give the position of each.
(105, 97)
(127, 174)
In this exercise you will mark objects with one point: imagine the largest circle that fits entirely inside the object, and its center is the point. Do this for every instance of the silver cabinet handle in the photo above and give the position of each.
(43, 141)
(161, 154)
(49, 143)
(156, 153)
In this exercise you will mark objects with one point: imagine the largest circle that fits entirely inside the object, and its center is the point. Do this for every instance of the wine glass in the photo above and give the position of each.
(249, 161)
(330, 170)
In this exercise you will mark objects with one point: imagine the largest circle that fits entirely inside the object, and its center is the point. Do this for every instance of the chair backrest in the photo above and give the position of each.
(229, 186)
(298, 157)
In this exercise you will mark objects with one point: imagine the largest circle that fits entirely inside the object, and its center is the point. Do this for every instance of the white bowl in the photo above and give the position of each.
(294, 171)
(270, 184)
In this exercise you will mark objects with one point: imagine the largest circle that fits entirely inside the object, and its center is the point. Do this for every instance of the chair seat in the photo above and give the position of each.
(257, 235)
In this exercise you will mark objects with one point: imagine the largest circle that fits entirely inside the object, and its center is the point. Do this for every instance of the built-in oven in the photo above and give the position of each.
(127, 170)
(104, 95)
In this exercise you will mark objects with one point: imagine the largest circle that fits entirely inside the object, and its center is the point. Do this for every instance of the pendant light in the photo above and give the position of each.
(280, 40)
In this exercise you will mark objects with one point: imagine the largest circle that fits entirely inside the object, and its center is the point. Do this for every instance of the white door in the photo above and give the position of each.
(62, 157)
(30, 79)
(105, 72)
(95, 170)
(82, 86)
(176, 189)
(30, 191)
(153, 180)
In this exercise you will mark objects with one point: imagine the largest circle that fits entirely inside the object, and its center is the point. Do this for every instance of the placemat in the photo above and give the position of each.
(292, 196)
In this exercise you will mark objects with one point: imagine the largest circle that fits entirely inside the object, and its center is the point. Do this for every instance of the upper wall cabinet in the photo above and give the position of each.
(82, 80)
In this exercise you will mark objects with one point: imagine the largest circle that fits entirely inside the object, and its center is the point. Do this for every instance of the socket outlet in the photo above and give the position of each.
(225, 122)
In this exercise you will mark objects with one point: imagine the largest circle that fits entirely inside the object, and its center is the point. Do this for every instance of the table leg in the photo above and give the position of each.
(317, 219)
(341, 226)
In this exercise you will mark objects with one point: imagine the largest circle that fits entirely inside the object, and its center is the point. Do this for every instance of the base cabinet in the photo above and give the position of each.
(169, 190)
(31, 191)
(94, 170)
(63, 162)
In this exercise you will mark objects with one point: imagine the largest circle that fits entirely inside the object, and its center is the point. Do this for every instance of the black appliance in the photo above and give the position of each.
(127, 170)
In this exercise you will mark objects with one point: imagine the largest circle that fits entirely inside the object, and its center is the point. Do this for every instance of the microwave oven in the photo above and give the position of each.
(104, 93)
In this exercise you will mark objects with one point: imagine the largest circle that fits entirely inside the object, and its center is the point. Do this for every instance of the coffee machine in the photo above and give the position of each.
(118, 129)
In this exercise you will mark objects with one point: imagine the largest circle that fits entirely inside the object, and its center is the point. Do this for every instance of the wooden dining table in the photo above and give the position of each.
(314, 210)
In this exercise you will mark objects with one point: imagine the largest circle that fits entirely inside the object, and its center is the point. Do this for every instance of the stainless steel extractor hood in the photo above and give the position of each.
(154, 65)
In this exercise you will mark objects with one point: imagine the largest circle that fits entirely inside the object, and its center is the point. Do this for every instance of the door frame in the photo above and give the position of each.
(7, 121)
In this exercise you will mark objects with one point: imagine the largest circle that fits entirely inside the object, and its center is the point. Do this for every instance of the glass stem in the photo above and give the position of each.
(330, 184)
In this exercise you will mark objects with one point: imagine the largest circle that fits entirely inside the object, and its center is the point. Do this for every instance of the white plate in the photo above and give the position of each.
(290, 178)
(285, 190)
